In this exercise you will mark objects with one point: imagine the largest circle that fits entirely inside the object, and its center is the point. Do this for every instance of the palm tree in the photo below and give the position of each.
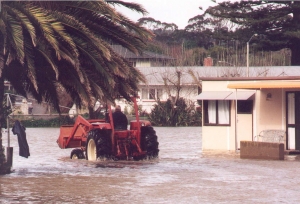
(24, 31)
(46, 46)
(94, 25)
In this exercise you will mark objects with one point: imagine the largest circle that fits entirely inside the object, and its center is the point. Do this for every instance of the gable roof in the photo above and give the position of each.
(155, 75)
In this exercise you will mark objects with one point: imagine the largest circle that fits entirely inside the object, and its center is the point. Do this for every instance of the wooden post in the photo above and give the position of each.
(9, 156)
(9, 150)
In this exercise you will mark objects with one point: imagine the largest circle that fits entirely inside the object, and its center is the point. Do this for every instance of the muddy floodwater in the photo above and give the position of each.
(181, 174)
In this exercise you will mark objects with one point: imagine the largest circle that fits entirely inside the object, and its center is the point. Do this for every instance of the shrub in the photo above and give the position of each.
(2, 156)
(183, 114)
(54, 122)
(4, 168)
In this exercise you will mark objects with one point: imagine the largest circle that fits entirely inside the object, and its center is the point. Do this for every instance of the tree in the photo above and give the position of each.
(277, 21)
(47, 46)
(177, 110)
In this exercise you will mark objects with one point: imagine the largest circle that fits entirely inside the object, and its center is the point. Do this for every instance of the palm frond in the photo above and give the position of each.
(3, 38)
(29, 62)
(77, 28)
(47, 56)
(25, 22)
(43, 22)
(130, 5)
(15, 38)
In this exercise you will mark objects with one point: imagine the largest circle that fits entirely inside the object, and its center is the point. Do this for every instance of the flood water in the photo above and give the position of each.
(181, 174)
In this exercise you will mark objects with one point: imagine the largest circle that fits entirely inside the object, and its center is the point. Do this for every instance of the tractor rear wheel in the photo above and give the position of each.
(149, 141)
(98, 144)
(77, 154)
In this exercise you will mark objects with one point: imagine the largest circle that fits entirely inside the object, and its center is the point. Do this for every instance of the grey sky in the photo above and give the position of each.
(170, 11)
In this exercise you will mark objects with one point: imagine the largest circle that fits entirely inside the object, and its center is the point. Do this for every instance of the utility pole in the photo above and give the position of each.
(248, 53)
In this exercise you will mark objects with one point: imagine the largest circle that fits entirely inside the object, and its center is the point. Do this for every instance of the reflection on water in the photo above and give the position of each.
(220, 154)
(181, 174)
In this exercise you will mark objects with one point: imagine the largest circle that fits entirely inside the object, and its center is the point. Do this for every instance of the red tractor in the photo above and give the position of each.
(97, 138)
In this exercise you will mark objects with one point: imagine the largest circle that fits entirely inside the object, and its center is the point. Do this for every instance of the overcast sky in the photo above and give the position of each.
(170, 11)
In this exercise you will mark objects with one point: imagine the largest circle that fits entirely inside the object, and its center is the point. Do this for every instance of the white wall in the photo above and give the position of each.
(220, 137)
(187, 92)
(271, 111)
(143, 63)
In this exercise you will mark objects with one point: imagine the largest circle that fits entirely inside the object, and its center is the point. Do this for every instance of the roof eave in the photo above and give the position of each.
(249, 78)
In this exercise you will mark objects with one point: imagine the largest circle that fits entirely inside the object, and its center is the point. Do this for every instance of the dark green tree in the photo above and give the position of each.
(277, 21)
(209, 31)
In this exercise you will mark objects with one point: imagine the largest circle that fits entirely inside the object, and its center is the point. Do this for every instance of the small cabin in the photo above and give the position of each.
(240, 108)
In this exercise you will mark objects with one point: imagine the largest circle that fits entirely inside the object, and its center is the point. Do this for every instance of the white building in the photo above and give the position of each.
(164, 83)
(239, 108)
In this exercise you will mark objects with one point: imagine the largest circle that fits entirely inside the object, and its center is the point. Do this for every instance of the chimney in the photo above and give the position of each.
(208, 62)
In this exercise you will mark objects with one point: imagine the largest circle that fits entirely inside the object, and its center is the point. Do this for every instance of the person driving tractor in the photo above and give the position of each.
(120, 119)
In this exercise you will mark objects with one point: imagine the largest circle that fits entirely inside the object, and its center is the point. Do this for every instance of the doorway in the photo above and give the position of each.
(244, 120)
(293, 120)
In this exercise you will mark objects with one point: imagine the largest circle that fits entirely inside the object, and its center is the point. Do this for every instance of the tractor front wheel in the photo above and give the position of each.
(77, 154)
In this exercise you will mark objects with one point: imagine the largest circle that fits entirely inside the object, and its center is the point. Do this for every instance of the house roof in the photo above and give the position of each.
(124, 52)
(240, 73)
(265, 84)
(225, 95)
(267, 78)
(155, 75)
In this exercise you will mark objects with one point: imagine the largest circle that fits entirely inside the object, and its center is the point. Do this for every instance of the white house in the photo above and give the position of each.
(236, 109)
(163, 82)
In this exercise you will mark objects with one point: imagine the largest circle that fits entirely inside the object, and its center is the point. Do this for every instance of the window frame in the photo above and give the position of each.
(159, 94)
(145, 94)
(243, 105)
(205, 114)
(152, 94)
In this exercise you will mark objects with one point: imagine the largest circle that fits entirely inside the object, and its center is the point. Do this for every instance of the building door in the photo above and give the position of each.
(244, 120)
(293, 120)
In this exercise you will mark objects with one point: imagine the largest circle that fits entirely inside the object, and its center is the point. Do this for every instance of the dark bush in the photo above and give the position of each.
(4, 168)
(54, 122)
(182, 114)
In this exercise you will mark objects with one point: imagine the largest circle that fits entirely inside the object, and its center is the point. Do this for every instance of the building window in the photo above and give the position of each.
(159, 93)
(216, 112)
(132, 63)
(144, 93)
(244, 107)
(152, 94)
